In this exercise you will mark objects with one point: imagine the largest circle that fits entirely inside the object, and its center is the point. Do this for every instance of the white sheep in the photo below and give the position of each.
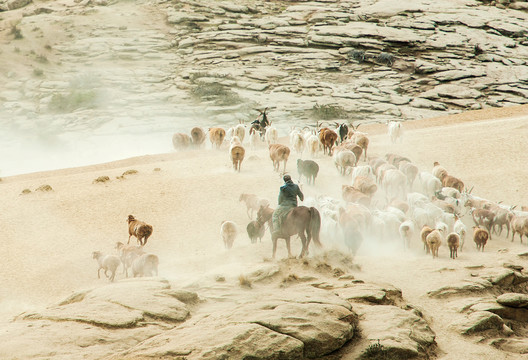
(145, 265)
(394, 183)
(407, 229)
(127, 254)
(272, 135)
(461, 229)
(254, 140)
(240, 131)
(228, 231)
(107, 263)
(395, 130)
(297, 142)
(343, 160)
(314, 145)
(429, 183)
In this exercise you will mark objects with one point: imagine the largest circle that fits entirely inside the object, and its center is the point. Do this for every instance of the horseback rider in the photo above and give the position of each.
(287, 200)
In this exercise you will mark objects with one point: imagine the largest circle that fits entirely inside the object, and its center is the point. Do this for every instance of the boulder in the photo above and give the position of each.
(479, 321)
(463, 288)
(401, 334)
(370, 293)
(505, 312)
(515, 345)
(515, 300)
(427, 104)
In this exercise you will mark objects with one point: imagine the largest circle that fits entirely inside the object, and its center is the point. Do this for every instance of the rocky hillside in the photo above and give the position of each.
(104, 65)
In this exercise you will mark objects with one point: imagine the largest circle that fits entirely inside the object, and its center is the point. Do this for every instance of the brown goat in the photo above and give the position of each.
(439, 171)
(279, 153)
(198, 136)
(217, 136)
(328, 138)
(181, 141)
(237, 155)
(453, 242)
(139, 229)
(480, 237)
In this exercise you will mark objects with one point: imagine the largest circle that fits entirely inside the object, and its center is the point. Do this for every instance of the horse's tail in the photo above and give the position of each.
(315, 225)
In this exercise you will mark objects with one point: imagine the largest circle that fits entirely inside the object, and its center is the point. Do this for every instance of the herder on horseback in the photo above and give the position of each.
(290, 219)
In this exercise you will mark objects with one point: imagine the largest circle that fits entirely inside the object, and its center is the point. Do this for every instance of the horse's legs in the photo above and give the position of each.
(304, 250)
(288, 246)
(274, 240)
(129, 236)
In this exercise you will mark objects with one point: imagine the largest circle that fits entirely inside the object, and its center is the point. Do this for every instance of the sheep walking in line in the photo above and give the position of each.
(256, 230)
(434, 240)
(253, 203)
(277, 154)
(237, 152)
(309, 169)
(198, 136)
(229, 232)
(106, 263)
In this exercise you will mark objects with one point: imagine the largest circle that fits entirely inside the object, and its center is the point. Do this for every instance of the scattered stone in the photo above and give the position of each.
(513, 266)
(25, 192)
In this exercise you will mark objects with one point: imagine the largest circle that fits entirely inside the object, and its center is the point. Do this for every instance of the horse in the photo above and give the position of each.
(299, 220)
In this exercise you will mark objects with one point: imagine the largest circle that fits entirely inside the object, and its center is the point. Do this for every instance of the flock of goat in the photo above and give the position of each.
(388, 198)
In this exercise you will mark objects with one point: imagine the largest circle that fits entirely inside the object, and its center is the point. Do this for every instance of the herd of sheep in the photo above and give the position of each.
(387, 198)
(131, 257)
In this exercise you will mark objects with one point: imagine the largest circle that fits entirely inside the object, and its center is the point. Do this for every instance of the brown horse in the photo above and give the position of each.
(299, 220)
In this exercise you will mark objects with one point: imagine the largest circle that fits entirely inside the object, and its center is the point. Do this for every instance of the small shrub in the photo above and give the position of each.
(73, 101)
(38, 72)
(357, 55)
(328, 112)
(376, 351)
(25, 192)
(216, 92)
(16, 32)
(42, 59)
(45, 188)
(130, 172)
(386, 58)
(47, 47)
(157, 169)
(101, 179)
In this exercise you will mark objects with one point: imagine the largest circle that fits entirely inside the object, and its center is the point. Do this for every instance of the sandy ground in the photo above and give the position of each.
(49, 237)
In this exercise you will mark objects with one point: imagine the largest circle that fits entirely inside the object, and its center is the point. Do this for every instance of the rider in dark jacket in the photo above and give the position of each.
(287, 200)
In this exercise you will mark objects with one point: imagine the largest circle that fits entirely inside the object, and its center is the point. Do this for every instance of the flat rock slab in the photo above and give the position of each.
(401, 333)
(309, 322)
(376, 294)
(517, 346)
(505, 312)
(515, 300)
(462, 288)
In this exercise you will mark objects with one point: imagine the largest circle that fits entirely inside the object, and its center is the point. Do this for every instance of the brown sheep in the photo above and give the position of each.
(198, 136)
(181, 141)
(279, 153)
(480, 237)
(453, 242)
(217, 136)
(451, 181)
(434, 240)
(139, 229)
(328, 138)
(426, 230)
(365, 185)
(519, 224)
(351, 194)
(360, 139)
(237, 155)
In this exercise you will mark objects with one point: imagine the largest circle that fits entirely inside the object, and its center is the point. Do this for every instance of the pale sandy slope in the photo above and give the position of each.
(49, 237)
